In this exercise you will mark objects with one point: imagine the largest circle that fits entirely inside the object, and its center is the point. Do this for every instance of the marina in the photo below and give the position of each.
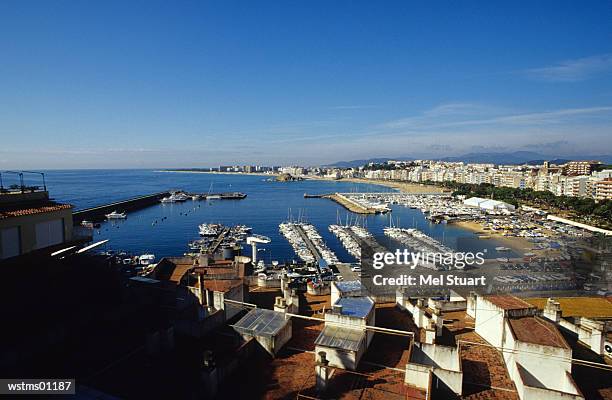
(307, 243)
(171, 226)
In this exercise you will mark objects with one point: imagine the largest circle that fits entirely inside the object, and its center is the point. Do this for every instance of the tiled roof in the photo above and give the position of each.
(537, 331)
(221, 285)
(507, 302)
(37, 209)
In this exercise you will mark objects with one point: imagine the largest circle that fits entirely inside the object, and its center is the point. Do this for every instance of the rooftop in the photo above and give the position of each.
(589, 307)
(31, 209)
(536, 330)
(508, 302)
(261, 322)
(358, 307)
(348, 286)
(341, 338)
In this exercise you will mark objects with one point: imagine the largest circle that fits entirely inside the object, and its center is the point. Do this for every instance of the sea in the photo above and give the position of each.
(268, 203)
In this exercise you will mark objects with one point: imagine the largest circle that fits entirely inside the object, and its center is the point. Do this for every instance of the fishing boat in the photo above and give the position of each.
(116, 215)
(502, 248)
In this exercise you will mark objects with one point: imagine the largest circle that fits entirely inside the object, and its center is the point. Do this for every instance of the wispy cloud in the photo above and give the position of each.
(355, 107)
(429, 120)
(573, 70)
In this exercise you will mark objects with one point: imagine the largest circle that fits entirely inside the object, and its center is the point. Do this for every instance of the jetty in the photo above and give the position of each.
(350, 204)
(98, 213)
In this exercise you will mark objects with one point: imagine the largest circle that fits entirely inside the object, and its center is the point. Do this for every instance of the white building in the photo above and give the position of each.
(536, 355)
(344, 339)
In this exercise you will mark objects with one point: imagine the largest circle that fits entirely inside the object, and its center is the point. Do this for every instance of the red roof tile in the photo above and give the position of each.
(537, 331)
(507, 302)
(43, 208)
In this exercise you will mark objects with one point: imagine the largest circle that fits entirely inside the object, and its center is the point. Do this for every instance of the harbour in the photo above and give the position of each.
(169, 227)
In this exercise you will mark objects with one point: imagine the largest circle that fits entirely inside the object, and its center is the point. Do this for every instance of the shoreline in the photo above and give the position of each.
(404, 187)
(518, 244)
(178, 171)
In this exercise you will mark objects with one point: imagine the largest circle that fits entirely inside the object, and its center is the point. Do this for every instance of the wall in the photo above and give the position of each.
(489, 321)
(27, 224)
(341, 358)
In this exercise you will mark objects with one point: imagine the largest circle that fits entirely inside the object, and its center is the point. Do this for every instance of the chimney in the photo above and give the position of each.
(552, 310)
(201, 289)
(210, 299)
(280, 304)
(322, 371)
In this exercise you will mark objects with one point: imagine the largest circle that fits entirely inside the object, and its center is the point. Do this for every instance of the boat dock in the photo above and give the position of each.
(313, 249)
(96, 214)
(351, 204)
(213, 248)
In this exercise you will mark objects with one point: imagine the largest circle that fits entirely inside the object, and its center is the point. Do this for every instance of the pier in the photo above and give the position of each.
(218, 240)
(351, 205)
(345, 200)
(98, 213)
(313, 249)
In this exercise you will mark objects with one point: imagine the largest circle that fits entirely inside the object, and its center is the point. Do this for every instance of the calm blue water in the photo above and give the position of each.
(267, 204)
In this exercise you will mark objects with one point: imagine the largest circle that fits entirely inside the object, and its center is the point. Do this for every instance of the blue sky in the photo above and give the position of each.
(170, 84)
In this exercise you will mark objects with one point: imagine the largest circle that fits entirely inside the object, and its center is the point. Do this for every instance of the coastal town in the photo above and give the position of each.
(306, 200)
(533, 322)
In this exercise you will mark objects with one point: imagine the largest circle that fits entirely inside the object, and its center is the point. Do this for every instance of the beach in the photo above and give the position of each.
(519, 244)
(405, 187)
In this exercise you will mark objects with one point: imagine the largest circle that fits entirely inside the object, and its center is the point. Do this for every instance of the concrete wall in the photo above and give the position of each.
(539, 372)
(27, 227)
(526, 391)
(444, 305)
(489, 321)
(589, 332)
(341, 358)
(442, 361)
(417, 375)
(237, 294)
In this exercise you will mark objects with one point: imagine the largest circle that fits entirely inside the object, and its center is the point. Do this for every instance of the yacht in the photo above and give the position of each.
(175, 197)
(116, 215)
(146, 259)
(208, 229)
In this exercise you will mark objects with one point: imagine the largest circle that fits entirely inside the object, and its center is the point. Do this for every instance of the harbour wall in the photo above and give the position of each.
(98, 213)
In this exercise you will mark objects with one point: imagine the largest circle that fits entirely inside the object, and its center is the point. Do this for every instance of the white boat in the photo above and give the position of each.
(209, 229)
(146, 259)
(502, 248)
(116, 215)
(175, 197)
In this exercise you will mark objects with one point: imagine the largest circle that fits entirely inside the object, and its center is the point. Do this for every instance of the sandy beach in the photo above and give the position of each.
(518, 244)
(405, 187)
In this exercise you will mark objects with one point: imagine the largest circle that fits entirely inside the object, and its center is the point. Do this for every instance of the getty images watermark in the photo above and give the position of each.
(385, 272)
(402, 259)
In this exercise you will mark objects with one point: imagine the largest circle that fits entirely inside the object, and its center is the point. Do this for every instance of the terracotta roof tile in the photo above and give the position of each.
(507, 302)
(537, 331)
(42, 208)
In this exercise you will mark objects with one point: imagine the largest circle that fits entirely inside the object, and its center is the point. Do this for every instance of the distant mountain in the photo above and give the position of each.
(523, 157)
(516, 157)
